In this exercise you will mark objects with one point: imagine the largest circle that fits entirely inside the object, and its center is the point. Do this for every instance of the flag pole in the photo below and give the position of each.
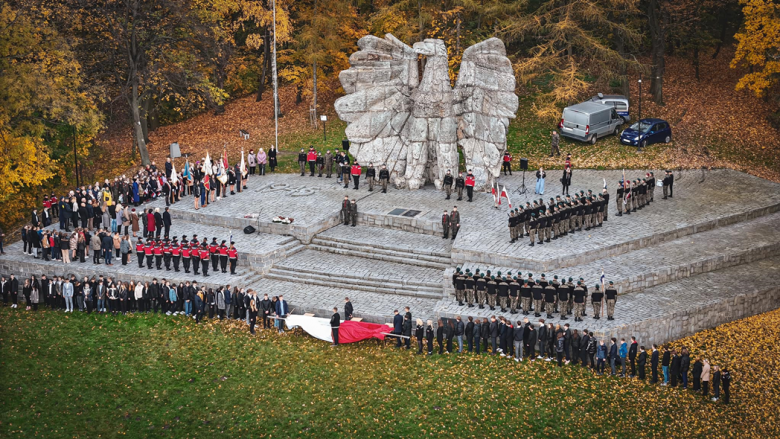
(276, 92)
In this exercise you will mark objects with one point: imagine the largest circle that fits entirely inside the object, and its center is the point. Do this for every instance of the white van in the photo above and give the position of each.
(588, 121)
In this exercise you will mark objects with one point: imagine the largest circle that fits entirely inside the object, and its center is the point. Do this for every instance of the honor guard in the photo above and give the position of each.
(233, 256)
(176, 253)
(384, 178)
(214, 255)
(611, 295)
(448, 184)
(460, 183)
(445, 224)
(595, 300)
(204, 258)
(371, 176)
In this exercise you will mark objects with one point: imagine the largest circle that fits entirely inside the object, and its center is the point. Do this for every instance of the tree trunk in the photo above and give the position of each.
(420, 18)
(135, 109)
(266, 64)
(696, 62)
(457, 38)
(657, 50)
(145, 119)
(314, 93)
(723, 27)
(621, 50)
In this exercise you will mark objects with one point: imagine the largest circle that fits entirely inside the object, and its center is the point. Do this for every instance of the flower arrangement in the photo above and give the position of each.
(282, 220)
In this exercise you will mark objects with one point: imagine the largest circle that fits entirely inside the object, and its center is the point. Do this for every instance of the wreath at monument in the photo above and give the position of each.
(282, 220)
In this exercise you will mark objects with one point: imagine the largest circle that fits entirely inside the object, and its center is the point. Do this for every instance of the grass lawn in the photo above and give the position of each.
(157, 376)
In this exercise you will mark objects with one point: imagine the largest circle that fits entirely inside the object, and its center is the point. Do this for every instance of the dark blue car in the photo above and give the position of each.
(646, 132)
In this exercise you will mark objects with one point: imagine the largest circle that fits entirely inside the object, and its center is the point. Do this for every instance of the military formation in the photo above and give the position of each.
(517, 293)
(190, 254)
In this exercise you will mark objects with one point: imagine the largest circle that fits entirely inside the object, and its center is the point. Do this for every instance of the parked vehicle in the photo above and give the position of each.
(646, 132)
(620, 103)
(588, 121)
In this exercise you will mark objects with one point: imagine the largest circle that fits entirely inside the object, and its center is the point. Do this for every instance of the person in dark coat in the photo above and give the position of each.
(654, 365)
(335, 322)
(632, 352)
(407, 332)
(347, 309)
(449, 332)
(725, 378)
(419, 332)
(470, 334)
(429, 336)
(477, 334)
(685, 365)
(494, 332)
(166, 220)
(675, 368)
(398, 327)
(641, 362)
(697, 367)
(440, 336)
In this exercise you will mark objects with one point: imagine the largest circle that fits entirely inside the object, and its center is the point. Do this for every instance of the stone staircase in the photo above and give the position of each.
(345, 271)
(383, 252)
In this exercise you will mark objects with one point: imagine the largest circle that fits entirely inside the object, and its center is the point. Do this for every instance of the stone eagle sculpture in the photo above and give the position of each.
(414, 126)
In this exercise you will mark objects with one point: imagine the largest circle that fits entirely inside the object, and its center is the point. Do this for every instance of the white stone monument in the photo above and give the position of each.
(414, 126)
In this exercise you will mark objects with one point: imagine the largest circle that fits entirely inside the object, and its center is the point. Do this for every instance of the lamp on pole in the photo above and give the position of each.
(75, 157)
(324, 119)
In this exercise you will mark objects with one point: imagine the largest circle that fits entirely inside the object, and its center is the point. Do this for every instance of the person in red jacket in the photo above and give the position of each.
(233, 255)
(356, 170)
(470, 181)
(158, 255)
(311, 157)
(149, 252)
(507, 163)
(185, 254)
(150, 226)
(176, 253)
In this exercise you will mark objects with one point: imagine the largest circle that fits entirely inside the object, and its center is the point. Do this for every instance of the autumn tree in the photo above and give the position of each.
(758, 46)
(41, 94)
(564, 45)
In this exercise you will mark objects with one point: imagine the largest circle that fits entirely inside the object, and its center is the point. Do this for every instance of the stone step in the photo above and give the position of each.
(292, 275)
(688, 256)
(354, 284)
(338, 241)
(383, 255)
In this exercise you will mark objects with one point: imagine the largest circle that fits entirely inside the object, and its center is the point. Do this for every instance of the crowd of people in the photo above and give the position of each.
(520, 341)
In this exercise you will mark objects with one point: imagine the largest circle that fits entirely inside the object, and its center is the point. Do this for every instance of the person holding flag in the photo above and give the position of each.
(470, 182)
(505, 194)
(494, 192)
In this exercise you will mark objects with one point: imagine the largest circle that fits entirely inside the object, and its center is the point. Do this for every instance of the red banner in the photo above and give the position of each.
(351, 332)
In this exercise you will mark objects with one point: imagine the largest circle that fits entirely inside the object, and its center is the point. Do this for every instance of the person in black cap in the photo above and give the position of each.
(176, 253)
(195, 254)
(596, 299)
(448, 180)
(384, 178)
(214, 254)
(371, 176)
(233, 256)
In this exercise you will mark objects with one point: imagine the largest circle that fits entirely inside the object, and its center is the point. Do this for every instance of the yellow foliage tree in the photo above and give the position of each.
(40, 94)
(759, 46)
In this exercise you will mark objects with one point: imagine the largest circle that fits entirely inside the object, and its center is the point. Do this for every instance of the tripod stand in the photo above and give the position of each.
(522, 189)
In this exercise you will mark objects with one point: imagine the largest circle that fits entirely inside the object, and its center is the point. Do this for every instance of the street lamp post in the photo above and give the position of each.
(324, 119)
(639, 122)
(75, 157)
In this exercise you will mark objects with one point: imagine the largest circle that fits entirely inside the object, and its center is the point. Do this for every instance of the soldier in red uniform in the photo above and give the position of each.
(311, 157)
(167, 251)
(204, 259)
(139, 251)
(214, 254)
(223, 256)
(470, 181)
(233, 255)
(149, 252)
(158, 254)
(185, 253)
(176, 253)
(356, 171)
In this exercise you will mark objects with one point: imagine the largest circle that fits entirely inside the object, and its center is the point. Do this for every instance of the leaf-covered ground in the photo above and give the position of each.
(157, 376)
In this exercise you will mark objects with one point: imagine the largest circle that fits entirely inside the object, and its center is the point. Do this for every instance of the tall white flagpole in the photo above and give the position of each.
(276, 92)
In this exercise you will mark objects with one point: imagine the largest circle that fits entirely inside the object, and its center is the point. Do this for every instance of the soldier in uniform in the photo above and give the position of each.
(650, 187)
(371, 176)
(454, 222)
(353, 212)
(503, 293)
(563, 300)
(460, 287)
(445, 224)
(595, 299)
(345, 170)
(320, 163)
(328, 164)
(356, 171)
(460, 183)
(538, 294)
(185, 253)
(491, 292)
(384, 178)
(579, 302)
(302, 161)
(514, 295)
(158, 254)
(149, 253)
(605, 203)
(469, 287)
(481, 286)
(634, 196)
(611, 295)
(549, 299)
(619, 198)
(512, 227)
(311, 157)
(345, 217)
(532, 225)
(448, 184)
(525, 297)
(139, 252)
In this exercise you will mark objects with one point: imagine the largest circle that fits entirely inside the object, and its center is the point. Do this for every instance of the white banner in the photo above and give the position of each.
(316, 327)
